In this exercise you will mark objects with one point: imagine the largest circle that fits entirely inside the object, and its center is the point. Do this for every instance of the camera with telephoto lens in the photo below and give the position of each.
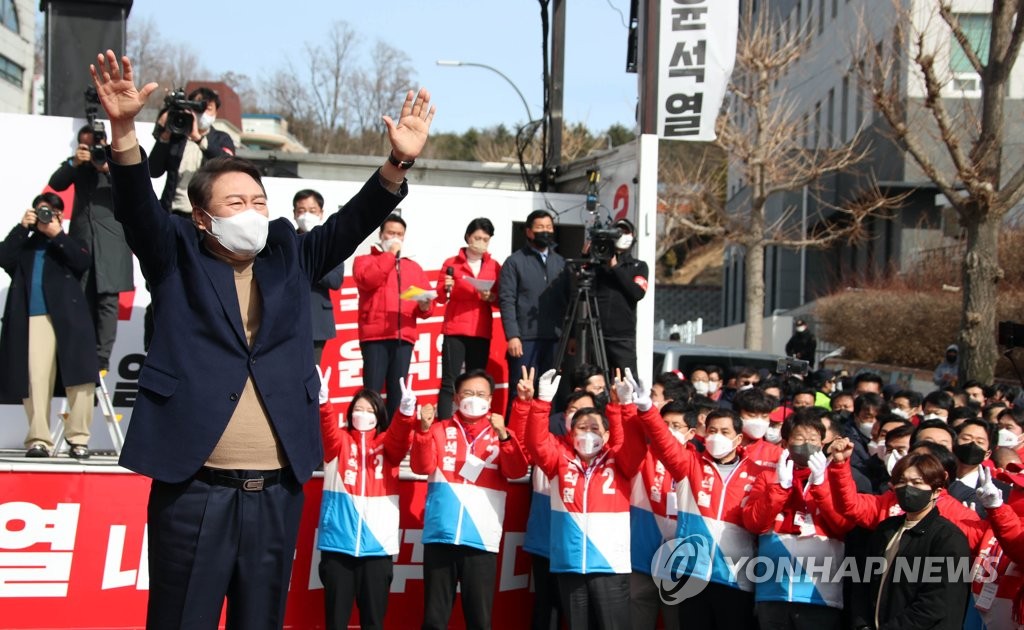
(602, 243)
(44, 214)
(181, 112)
(97, 153)
(792, 367)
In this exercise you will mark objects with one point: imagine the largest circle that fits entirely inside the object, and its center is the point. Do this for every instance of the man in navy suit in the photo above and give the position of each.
(226, 418)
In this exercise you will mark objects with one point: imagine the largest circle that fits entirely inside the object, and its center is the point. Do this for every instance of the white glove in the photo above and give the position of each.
(325, 379)
(641, 395)
(988, 494)
(623, 390)
(784, 469)
(817, 462)
(548, 385)
(407, 406)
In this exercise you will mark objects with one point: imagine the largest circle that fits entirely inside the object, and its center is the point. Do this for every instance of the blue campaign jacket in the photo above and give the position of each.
(199, 360)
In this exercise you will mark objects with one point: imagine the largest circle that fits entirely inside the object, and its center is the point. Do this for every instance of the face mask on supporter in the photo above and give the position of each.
(588, 443)
(206, 121)
(474, 407)
(602, 399)
(933, 416)
(891, 459)
(387, 244)
(877, 449)
(307, 221)
(801, 329)
(477, 248)
(678, 435)
(543, 240)
(899, 413)
(625, 242)
(1008, 438)
(773, 434)
(244, 233)
(755, 428)
(865, 428)
(718, 445)
(363, 420)
(701, 387)
(913, 499)
(969, 453)
(800, 454)
(744, 388)
(713, 386)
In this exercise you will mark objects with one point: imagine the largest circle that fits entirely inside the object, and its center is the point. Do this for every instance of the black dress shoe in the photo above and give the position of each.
(37, 450)
(79, 451)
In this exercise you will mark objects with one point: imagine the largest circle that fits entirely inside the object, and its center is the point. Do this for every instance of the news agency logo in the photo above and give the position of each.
(674, 564)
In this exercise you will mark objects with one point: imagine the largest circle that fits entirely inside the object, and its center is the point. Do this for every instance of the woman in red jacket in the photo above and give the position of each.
(470, 291)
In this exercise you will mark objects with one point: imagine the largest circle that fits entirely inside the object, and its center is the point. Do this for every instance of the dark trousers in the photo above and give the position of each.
(796, 616)
(595, 600)
(718, 607)
(621, 354)
(475, 570)
(208, 542)
(645, 604)
(537, 353)
(104, 307)
(456, 350)
(546, 603)
(384, 364)
(366, 581)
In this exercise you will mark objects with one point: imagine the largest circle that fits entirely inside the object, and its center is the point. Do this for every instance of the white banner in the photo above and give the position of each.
(696, 52)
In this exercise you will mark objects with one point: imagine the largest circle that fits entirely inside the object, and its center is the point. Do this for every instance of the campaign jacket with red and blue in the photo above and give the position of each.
(795, 524)
(589, 501)
(464, 508)
(359, 508)
(652, 512)
(709, 522)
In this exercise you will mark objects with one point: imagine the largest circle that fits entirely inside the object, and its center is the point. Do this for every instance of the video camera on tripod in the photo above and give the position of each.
(97, 153)
(601, 234)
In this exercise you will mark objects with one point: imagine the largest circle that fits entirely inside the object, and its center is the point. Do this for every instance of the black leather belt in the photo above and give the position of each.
(248, 480)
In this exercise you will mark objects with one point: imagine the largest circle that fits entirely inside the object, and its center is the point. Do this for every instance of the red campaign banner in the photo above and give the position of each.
(73, 555)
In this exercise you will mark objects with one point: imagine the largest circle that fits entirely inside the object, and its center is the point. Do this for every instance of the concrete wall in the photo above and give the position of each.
(19, 48)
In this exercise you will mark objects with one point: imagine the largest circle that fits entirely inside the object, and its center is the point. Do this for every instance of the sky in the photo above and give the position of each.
(255, 37)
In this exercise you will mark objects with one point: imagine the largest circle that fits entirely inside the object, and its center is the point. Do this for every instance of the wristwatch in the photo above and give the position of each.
(402, 164)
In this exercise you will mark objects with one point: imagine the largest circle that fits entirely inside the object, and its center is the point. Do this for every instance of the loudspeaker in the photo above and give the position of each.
(76, 31)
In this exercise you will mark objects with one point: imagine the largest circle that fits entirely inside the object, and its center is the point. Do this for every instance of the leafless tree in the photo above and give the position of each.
(171, 64)
(765, 141)
(969, 136)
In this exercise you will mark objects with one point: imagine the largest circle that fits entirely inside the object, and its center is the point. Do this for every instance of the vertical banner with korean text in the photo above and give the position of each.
(696, 52)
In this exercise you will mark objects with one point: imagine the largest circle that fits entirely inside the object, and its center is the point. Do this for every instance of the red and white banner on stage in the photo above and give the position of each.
(73, 555)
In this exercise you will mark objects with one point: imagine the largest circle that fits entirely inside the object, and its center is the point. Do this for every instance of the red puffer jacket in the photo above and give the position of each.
(468, 315)
(381, 278)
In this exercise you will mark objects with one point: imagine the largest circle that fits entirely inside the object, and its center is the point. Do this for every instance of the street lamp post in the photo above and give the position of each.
(443, 62)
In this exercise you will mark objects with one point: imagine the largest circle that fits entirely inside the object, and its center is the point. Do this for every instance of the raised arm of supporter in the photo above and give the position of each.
(614, 411)
(520, 413)
(370, 272)
(866, 510)
(836, 521)
(543, 447)
(333, 435)
(398, 437)
(511, 458)
(423, 459)
(630, 455)
(678, 460)
(767, 498)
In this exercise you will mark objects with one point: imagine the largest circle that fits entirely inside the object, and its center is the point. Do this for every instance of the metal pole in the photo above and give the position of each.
(529, 116)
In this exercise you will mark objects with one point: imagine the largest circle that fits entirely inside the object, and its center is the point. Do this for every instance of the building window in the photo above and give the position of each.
(9, 15)
(977, 29)
(11, 71)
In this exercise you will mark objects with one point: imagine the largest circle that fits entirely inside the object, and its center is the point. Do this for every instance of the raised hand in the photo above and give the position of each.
(623, 389)
(548, 385)
(784, 470)
(325, 379)
(524, 388)
(817, 462)
(841, 450)
(641, 395)
(409, 134)
(427, 415)
(407, 406)
(116, 87)
(988, 494)
(498, 424)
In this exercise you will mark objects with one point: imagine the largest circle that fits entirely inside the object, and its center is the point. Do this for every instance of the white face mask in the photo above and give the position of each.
(718, 445)
(865, 428)
(773, 434)
(624, 242)
(933, 416)
(678, 435)
(701, 387)
(386, 245)
(1008, 438)
(712, 387)
(363, 420)
(891, 459)
(899, 413)
(745, 388)
(307, 221)
(206, 121)
(474, 407)
(755, 428)
(877, 449)
(588, 443)
(244, 234)
(801, 328)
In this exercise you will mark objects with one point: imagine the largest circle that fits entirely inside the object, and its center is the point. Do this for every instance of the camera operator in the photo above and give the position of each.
(46, 323)
(618, 286)
(181, 155)
(93, 223)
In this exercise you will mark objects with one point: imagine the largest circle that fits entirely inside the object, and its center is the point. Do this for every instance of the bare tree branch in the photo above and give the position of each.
(946, 11)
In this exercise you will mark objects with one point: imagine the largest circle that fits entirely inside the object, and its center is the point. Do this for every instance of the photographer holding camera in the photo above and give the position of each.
(46, 324)
(619, 284)
(186, 139)
(93, 223)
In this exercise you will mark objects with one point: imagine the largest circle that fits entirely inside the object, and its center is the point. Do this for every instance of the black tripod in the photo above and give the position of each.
(583, 313)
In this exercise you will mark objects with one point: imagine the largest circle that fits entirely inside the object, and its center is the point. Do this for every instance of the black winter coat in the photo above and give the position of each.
(67, 260)
(909, 603)
(166, 158)
(617, 290)
(93, 223)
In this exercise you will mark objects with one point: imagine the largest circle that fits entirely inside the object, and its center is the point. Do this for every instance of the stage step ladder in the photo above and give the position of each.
(110, 415)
